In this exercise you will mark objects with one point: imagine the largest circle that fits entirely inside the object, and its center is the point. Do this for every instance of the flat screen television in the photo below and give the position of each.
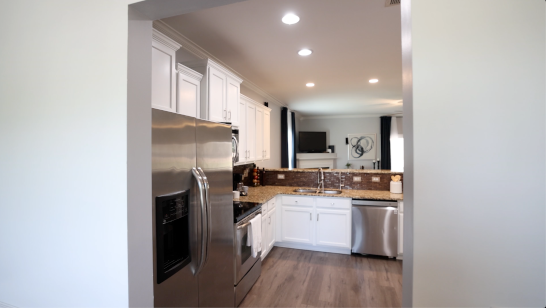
(312, 142)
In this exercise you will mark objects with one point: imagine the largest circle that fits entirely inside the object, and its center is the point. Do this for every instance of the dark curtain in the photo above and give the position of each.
(293, 140)
(386, 143)
(284, 137)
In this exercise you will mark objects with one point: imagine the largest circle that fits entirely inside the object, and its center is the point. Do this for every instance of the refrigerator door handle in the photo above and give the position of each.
(204, 219)
(207, 203)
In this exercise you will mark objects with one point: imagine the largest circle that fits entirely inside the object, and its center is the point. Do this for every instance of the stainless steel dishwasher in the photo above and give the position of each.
(375, 227)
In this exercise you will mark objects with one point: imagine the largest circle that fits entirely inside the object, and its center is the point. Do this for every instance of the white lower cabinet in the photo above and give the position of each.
(269, 222)
(264, 235)
(315, 223)
(297, 224)
(333, 228)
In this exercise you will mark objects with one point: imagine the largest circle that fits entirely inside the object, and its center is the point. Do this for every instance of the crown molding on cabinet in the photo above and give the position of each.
(250, 100)
(165, 40)
(201, 53)
(210, 62)
(182, 69)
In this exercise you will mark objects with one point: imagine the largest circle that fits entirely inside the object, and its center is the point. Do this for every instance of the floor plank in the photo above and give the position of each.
(301, 278)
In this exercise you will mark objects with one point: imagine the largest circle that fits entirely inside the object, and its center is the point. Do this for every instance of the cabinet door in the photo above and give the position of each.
(271, 229)
(242, 132)
(297, 224)
(259, 133)
(333, 228)
(267, 134)
(251, 131)
(400, 233)
(163, 77)
(217, 95)
(232, 101)
(188, 96)
(265, 235)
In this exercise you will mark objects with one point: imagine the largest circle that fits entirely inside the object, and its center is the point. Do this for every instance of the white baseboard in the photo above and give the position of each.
(345, 251)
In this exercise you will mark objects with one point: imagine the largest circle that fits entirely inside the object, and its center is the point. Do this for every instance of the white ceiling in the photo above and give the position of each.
(353, 41)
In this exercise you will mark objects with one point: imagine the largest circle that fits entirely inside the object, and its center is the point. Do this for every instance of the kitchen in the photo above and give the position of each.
(76, 155)
(355, 210)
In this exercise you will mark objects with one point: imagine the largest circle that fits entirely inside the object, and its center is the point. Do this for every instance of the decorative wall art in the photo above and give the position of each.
(362, 146)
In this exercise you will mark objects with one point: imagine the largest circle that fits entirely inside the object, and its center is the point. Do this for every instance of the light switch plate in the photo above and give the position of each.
(280, 176)
(375, 179)
(357, 179)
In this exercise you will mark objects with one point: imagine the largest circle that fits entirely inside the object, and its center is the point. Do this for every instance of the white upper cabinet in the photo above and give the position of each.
(188, 91)
(163, 72)
(232, 101)
(254, 131)
(220, 90)
(216, 95)
(250, 132)
(242, 132)
(259, 133)
(267, 134)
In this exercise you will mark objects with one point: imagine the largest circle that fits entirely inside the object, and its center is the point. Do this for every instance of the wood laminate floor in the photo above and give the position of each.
(301, 278)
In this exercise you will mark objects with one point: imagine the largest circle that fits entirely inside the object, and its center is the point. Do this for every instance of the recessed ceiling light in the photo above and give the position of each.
(305, 52)
(310, 84)
(374, 80)
(290, 19)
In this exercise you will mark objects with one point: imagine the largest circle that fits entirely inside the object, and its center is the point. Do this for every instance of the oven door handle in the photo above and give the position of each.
(208, 209)
(204, 220)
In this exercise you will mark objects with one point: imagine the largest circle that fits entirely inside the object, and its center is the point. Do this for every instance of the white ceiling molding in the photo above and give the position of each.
(358, 116)
(201, 53)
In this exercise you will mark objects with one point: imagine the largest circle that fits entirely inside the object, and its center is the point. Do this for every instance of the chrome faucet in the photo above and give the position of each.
(320, 179)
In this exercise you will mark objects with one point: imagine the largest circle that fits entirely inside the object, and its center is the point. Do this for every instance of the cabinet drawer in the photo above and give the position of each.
(301, 201)
(334, 203)
(264, 208)
(271, 204)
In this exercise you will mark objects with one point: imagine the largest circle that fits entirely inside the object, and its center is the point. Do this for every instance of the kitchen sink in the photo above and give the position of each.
(332, 192)
(314, 191)
(305, 190)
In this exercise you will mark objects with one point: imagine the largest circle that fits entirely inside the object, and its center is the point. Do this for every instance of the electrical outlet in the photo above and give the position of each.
(280, 176)
(375, 179)
(357, 179)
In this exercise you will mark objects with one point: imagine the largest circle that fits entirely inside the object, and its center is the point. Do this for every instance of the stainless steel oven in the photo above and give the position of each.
(247, 267)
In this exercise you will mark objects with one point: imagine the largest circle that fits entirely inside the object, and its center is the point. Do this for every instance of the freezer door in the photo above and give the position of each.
(375, 230)
(173, 157)
(214, 156)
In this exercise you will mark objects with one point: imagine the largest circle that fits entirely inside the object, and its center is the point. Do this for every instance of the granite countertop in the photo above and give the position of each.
(263, 194)
(335, 170)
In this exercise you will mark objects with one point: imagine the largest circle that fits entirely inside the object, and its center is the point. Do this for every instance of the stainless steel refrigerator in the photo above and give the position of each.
(192, 212)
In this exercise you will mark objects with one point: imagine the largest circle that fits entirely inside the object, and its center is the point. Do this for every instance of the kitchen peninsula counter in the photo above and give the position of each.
(263, 194)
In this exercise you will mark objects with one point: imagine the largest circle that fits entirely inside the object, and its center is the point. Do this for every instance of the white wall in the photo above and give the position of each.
(63, 159)
(337, 130)
(139, 160)
(479, 153)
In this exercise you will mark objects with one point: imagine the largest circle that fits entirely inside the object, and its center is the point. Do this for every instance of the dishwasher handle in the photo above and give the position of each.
(374, 203)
